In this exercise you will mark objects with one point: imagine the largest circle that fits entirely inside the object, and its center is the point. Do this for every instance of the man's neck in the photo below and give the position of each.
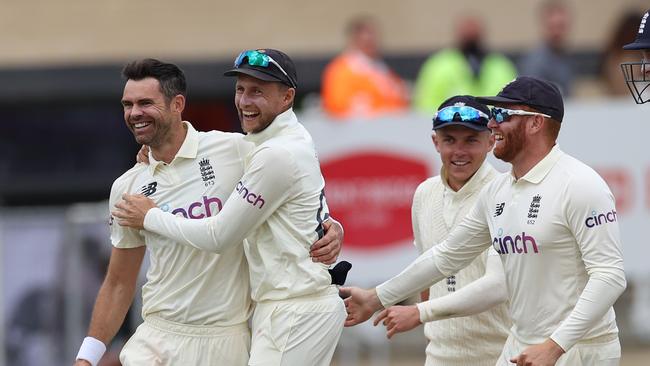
(530, 157)
(167, 150)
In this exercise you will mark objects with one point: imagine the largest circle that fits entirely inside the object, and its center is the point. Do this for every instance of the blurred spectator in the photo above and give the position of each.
(550, 61)
(358, 82)
(626, 30)
(466, 69)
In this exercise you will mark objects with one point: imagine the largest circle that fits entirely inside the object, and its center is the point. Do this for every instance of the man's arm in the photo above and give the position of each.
(115, 295)
(469, 239)
(477, 297)
(264, 187)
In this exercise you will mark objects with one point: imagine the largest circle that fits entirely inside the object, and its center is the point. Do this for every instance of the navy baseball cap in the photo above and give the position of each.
(538, 94)
(642, 41)
(462, 110)
(265, 64)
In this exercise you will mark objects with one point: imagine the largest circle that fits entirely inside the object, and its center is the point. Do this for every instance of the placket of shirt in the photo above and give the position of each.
(167, 173)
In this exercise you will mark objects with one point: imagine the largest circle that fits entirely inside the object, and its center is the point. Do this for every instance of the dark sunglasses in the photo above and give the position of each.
(504, 114)
(257, 58)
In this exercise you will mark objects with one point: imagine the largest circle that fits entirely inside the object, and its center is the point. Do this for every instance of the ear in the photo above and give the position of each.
(536, 125)
(289, 95)
(434, 138)
(491, 141)
(178, 103)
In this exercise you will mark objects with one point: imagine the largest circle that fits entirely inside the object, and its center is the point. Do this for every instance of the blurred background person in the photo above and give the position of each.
(625, 30)
(467, 68)
(358, 83)
(550, 60)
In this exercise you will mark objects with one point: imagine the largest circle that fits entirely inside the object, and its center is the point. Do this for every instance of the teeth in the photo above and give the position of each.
(498, 136)
(460, 163)
(141, 124)
(249, 114)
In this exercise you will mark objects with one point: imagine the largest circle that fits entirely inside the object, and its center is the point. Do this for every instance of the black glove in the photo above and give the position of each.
(340, 272)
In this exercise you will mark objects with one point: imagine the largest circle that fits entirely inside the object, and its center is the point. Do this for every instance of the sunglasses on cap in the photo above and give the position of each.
(504, 114)
(257, 58)
(460, 113)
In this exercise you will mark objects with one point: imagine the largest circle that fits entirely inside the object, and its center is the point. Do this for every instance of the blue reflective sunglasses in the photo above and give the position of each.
(460, 113)
(257, 58)
(503, 114)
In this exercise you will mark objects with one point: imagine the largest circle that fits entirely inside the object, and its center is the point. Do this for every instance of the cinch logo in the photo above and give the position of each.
(196, 210)
(514, 245)
(250, 197)
(603, 218)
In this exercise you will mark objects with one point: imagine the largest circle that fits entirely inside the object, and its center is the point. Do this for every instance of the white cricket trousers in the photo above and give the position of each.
(158, 342)
(600, 351)
(301, 331)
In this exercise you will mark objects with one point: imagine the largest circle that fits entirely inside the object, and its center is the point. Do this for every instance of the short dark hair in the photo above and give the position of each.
(171, 77)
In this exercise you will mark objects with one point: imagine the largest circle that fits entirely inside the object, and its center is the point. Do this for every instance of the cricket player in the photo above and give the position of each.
(553, 221)
(459, 329)
(637, 74)
(196, 304)
(278, 206)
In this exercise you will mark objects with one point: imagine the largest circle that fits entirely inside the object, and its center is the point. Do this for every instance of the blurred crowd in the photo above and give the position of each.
(359, 83)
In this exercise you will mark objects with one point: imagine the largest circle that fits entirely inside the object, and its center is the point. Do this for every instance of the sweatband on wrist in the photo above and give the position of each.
(91, 350)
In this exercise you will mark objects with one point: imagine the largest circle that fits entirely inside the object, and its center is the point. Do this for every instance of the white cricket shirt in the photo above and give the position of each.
(557, 233)
(278, 206)
(184, 284)
(437, 209)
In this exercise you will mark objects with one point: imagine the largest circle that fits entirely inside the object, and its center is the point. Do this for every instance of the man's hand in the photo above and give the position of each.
(326, 250)
(143, 155)
(360, 304)
(398, 319)
(131, 210)
(544, 354)
(81, 363)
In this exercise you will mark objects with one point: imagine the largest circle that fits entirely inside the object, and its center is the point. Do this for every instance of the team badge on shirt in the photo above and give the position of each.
(534, 208)
(207, 174)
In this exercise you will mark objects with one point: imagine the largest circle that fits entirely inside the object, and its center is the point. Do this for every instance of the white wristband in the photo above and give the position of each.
(91, 350)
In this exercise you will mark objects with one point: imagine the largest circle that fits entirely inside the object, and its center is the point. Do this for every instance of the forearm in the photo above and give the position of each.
(598, 296)
(113, 302)
(475, 298)
(201, 234)
(418, 276)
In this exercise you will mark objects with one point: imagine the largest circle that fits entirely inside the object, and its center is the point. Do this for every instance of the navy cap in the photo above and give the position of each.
(270, 72)
(463, 100)
(538, 94)
(642, 40)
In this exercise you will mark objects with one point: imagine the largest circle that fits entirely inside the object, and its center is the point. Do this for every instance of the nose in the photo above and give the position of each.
(492, 124)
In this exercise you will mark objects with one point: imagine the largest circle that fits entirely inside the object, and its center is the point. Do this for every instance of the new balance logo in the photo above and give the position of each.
(149, 189)
(207, 174)
(499, 209)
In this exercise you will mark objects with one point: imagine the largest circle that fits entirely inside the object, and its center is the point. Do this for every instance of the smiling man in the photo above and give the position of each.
(459, 329)
(195, 304)
(562, 274)
(278, 206)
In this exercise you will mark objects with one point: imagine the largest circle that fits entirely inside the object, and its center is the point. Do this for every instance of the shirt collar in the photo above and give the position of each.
(473, 184)
(188, 150)
(281, 122)
(541, 169)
